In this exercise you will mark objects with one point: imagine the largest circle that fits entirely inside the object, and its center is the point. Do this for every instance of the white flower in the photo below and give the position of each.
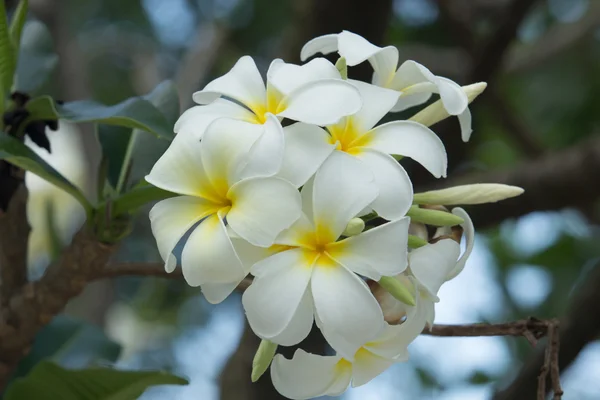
(430, 267)
(78, 161)
(313, 93)
(227, 175)
(358, 136)
(415, 82)
(314, 277)
(307, 375)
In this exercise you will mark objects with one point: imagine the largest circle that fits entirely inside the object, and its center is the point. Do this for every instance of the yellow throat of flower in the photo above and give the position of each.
(347, 138)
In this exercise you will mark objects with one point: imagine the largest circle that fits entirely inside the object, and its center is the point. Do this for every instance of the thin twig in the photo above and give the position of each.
(541, 390)
(554, 346)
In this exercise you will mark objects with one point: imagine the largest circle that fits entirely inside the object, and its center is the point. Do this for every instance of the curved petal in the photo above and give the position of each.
(393, 343)
(393, 310)
(411, 73)
(406, 101)
(289, 77)
(208, 255)
(306, 148)
(300, 234)
(195, 120)
(382, 249)
(180, 169)
(300, 324)
(242, 83)
(413, 140)
(266, 154)
(453, 96)
(357, 49)
(308, 375)
(376, 103)
(215, 293)
(274, 297)
(469, 230)
(306, 194)
(323, 44)
(431, 264)
(224, 151)
(395, 188)
(464, 119)
(321, 102)
(262, 208)
(344, 303)
(367, 366)
(343, 186)
(170, 219)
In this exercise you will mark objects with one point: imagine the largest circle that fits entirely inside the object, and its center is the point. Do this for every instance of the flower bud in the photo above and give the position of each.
(341, 66)
(354, 227)
(262, 359)
(433, 217)
(478, 193)
(400, 292)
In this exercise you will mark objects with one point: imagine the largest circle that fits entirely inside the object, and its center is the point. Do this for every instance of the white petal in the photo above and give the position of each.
(393, 310)
(195, 120)
(266, 154)
(357, 49)
(411, 73)
(224, 150)
(344, 303)
(242, 83)
(367, 366)
(382, 249)
(469, 231)
(464, 119)
(308, 375)
(300, 234)
(393, 343)
(453, 96)
(343, 186)
(170, 219)
(289, 77)
(262, 208)
(323, 44)
(208, 255)
(180, 169)
(273, 298)
(406, 101)
(395, 188)
(339, 343)
(248, 253)
(306, 147)
(431, 264)
(413, 140)
(376, 103)
(300, 324)
(321, 102)
(215, 293)
(307, 198)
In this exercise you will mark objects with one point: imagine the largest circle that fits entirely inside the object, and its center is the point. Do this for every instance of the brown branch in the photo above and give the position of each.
(530, 326)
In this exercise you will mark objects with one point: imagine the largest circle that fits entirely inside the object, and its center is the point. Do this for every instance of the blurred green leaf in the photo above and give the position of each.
(135, 112)
(37, 58)
(480, 378)
(137, 197)
(6, 51)
(49, 381)
(71, 344)
(16, 153)
(17, 23)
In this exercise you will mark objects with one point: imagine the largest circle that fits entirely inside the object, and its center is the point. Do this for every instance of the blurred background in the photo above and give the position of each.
(535, 125)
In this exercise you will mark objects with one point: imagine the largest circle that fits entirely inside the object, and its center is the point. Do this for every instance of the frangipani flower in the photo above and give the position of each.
(415, 82)
(228, 175)
(313, 93)
(78, 161)
(306, 375)
(430, 267)
(358, 136)
(314, 277)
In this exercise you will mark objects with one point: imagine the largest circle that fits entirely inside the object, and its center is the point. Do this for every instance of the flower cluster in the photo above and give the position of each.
(288, 205)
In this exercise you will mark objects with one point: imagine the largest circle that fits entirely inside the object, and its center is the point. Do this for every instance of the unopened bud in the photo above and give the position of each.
(354, 227)
(400, 292)
(433, 217)
(415, 242)
(262, 359)
(478, 193)
(436, 112)
(341, 66)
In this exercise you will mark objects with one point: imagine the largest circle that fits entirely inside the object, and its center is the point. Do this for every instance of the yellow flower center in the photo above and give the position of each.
(347, 137)
(274, 104)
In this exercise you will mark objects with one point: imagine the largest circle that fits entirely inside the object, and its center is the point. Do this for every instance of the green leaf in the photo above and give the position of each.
(480, 378)
(137, 197)
(70, 343)
(17, 23)
(6, 51)
(49, 381)
(135, 112)
(37, 58)
(16, 153)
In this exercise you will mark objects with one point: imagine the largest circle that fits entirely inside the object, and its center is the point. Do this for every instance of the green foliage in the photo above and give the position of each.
(137, 197)
(69, 343)
(135, 112)
(17, 23)
(37, 58)
(48, 381)
(16, 153)
(6, 52)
